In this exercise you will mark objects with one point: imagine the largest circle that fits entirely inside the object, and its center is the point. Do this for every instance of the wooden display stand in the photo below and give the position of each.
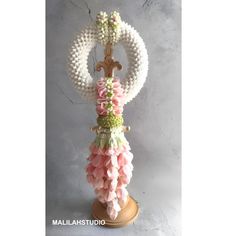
(129, 212)
(126, 216)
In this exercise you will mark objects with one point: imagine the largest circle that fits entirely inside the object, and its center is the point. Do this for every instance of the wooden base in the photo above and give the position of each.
(126, 216)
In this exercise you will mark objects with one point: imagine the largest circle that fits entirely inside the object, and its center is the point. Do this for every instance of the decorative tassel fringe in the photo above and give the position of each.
(110, 169)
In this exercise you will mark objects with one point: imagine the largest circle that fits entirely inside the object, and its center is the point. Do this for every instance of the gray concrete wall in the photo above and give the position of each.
(154, 116)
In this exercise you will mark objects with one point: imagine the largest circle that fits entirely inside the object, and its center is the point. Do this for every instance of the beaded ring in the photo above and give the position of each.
(108, 29)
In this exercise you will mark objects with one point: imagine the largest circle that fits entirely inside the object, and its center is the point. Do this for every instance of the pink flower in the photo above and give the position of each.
(98, 183)
(101, 109)
(123, 180)
(118, 110)
(110, 151)
(101, 92)
(112, 213)
(98, 161)
(128, 156)
(113, 185)
(110, 195)
(98, 173)
(89, 169)
(113, 209)
(103, 97)
(112, 173)
(121, 160)
(122, 193)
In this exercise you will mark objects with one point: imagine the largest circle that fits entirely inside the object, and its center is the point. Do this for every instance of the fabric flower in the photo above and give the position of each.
(110, 96)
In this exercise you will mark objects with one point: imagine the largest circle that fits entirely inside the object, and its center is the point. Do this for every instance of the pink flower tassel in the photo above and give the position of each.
(109, 175)
(110, 169)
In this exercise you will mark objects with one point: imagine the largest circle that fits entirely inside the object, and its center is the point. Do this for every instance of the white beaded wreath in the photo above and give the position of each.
(137, 62)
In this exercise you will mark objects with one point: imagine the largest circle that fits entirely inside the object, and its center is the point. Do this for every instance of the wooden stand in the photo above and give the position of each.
(129, 212)
(126, 216)
(108, 64)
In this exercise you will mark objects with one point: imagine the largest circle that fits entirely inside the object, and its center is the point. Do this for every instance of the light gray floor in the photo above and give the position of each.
(154, 117)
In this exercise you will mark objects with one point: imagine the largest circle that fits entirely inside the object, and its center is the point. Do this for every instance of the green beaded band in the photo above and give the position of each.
(110, 121)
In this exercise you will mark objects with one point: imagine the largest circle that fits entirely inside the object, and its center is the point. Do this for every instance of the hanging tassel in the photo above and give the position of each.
(110, 169)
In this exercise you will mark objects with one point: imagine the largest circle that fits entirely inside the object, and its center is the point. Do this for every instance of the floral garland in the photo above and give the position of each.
(110, 168)
(110, 102)
(110, 97)
(108, 29)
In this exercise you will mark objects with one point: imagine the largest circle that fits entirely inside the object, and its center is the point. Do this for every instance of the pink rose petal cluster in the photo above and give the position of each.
(109, 172)
(116, 98)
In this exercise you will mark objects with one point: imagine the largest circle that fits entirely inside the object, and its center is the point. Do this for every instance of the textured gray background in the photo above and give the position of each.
(154, 117)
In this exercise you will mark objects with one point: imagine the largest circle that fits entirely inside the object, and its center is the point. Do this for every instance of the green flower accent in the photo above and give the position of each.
(110, 121)
(109, 106)
(114, 27)
(109, 94)
(109, 80)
